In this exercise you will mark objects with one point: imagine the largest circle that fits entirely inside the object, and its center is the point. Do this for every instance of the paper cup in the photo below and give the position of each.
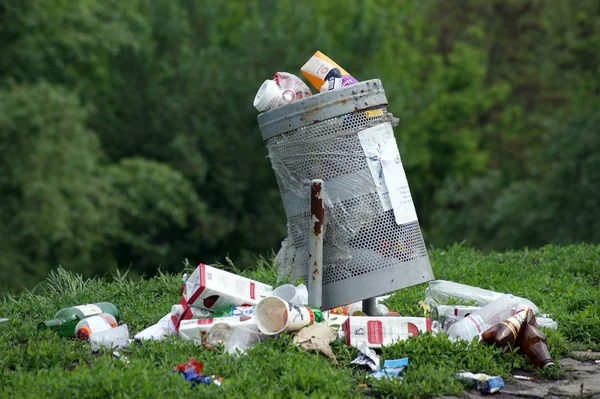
(274, 315)
(268, 96)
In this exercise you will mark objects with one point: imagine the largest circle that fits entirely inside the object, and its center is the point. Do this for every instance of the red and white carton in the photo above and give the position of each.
(379, 331)
(212, 289)
(197, 329)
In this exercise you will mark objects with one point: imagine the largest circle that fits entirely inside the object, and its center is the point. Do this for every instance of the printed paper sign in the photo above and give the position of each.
(385, 164)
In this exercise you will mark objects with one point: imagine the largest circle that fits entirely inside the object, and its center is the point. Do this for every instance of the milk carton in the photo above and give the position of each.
(379, 331)
(211, 289)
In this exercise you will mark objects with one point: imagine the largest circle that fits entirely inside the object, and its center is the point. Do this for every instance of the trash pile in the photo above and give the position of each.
(221, 308)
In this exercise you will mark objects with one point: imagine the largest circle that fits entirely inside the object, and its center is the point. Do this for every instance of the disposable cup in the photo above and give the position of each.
(268, 96)
(274, 315)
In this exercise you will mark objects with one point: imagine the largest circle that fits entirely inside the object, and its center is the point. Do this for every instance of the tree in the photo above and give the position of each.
(54, 206)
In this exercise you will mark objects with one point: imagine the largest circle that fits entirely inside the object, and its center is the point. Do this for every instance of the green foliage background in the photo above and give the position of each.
(128, 136)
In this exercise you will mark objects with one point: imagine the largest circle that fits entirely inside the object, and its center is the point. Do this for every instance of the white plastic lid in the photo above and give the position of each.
(268, 96)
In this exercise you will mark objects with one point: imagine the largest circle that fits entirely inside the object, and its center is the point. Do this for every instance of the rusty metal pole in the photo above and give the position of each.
(315, 244)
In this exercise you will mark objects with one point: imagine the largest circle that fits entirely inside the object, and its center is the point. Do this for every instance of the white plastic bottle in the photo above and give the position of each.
(94, 324)
(476, 323)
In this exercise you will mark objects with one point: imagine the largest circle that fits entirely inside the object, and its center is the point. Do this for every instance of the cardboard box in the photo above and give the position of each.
(379, 331)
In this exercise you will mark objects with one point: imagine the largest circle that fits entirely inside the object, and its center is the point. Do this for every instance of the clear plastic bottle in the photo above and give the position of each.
(94, 324)
(440, 291)
(476, 323)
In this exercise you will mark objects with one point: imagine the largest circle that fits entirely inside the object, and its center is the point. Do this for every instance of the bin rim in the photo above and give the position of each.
(322, 106)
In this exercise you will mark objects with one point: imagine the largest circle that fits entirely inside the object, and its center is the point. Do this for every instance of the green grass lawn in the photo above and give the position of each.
(562, 281)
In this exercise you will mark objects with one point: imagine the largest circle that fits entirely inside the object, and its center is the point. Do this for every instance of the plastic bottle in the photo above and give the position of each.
(439, 312)
(532, 343)
(506, 332)
(476, 323)
(94, 324)
(440, 291)
(66, 319)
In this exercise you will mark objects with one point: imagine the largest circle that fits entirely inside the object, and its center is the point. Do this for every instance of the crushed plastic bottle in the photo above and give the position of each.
(283, 89)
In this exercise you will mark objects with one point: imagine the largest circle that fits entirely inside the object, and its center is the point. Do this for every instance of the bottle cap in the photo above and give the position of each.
(83, 333)
(268, 96)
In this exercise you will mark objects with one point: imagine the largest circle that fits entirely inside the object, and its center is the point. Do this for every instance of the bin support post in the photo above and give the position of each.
(315, 244)
(369, 306)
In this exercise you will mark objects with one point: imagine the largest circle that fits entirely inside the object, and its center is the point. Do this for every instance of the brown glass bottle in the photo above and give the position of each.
(506, 332)
(532, 343)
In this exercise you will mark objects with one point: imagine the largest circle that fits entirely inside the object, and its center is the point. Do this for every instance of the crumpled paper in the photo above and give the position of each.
(317, 337)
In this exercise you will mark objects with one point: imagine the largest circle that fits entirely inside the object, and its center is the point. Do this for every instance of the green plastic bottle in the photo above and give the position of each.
(66, 319)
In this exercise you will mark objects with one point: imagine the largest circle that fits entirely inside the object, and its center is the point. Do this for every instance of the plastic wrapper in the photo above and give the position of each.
(192, 372)
(366, 357)
(391, 369)
(114, 338)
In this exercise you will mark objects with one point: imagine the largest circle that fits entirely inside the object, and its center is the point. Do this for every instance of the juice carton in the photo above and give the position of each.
(379, 331)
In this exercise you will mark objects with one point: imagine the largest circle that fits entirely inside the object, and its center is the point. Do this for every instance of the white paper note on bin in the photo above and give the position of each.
(380, 148)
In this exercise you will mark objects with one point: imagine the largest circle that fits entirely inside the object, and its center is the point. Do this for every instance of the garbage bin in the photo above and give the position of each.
(372, 239)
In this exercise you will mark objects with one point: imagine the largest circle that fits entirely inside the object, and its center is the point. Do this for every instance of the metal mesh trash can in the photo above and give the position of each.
(372, 240)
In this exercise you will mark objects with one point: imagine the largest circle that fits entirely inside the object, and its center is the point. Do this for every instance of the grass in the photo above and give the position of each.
(562, 281)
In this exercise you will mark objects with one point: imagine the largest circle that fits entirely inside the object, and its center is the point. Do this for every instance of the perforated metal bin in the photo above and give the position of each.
(372, 245)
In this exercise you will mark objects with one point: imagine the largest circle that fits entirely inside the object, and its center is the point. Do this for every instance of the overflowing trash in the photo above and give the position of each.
(482, 382)
(192, 372)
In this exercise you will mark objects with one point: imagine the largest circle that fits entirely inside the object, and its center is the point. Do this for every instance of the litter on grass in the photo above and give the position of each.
(192, 372)
(482, 382)
(366, 357)
(317, 338)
